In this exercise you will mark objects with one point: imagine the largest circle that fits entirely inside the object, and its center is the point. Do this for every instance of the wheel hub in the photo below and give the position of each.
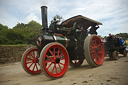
(35, 60)
(96, 49)
(57, 60)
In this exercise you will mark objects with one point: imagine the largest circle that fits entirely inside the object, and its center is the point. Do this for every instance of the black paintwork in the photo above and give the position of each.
(110, 46)
(69, 30)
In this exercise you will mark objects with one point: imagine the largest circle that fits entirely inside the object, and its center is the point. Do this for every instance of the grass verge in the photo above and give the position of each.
(16, 45)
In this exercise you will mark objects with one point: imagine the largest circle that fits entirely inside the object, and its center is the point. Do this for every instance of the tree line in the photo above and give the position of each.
(26, 33)
(20, 34)
(123, 35)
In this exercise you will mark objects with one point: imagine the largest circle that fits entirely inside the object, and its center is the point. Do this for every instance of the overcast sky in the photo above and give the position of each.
(112, 13)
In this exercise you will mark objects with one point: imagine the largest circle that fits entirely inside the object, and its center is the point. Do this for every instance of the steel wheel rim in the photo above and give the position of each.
(97, 50)
(56, 58)
(31, 61)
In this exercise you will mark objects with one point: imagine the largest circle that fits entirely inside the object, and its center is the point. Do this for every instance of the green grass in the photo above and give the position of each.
(16, 45)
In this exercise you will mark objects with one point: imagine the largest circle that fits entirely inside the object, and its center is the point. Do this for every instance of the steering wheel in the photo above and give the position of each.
(79, 31)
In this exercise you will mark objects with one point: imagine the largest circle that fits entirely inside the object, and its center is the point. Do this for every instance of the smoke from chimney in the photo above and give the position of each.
(44, 2)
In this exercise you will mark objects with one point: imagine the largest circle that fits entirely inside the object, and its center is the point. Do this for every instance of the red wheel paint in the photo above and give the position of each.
(55, 60)
(97, 50)
(31, 61)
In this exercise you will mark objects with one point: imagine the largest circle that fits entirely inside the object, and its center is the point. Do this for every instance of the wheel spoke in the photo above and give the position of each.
(54, 51)
(30, 65)
(34, 53)
(61, 63)
(92, 51)
(29, 58)
(60, 67)
(51, 53)
(100, 52)
(49, 65)
(32, 56)
(97, 45)
(37, 55)
(98, 57)
(98, 60)
(92, 43)
(93, 56)
(91, 47)
(56, 69)
(34, 67)
(29, 62)
(53, 68)
(48, 57)
(58, 53)
(48, 61)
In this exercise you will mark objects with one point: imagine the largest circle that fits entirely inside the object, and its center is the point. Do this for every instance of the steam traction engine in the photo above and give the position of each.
(61, 45)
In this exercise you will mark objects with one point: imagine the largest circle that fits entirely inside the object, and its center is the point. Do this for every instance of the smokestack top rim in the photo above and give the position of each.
(44, 6)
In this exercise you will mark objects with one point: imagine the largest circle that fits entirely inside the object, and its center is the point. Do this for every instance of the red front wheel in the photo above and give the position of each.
(30, 61)
(54, 60)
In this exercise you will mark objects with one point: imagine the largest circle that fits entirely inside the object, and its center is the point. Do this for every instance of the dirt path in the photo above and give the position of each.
(110, 73)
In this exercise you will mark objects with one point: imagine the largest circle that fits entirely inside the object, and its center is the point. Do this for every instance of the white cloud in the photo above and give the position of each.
(112, 13)
(32, 16)
(44, 2)
(7, 19)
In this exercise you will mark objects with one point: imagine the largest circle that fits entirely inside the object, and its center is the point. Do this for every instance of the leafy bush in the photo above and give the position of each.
(20, 34)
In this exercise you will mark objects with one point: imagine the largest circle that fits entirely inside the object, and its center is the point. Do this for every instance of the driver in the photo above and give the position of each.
(54, 27)
(93, 29)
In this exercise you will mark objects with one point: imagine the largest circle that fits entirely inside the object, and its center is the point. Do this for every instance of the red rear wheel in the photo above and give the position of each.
(30, 61)
(94, 50)
(57, 60)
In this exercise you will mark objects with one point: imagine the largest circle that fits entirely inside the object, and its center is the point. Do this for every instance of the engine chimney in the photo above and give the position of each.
(44, 17)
